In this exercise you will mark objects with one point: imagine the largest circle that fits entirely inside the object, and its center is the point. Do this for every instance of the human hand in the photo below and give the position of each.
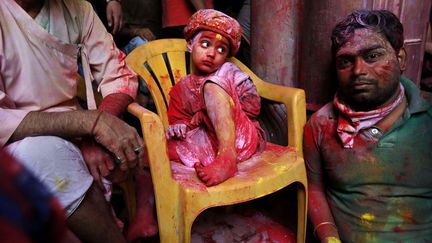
(144, 33)
(120, 139)
(98, 160)
(114, 15)
(177, 131)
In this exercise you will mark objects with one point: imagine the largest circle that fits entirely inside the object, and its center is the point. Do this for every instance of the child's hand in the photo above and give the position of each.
(177, 131)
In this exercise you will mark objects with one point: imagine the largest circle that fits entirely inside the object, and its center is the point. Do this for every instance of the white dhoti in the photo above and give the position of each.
(59, 165)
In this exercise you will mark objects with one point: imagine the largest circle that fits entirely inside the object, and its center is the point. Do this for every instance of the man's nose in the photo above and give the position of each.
(360, 66)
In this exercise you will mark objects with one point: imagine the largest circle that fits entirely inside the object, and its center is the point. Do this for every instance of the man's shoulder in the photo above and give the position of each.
(324, 113)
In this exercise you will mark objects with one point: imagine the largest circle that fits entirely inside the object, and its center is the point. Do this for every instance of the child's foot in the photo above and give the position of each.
(223, 168)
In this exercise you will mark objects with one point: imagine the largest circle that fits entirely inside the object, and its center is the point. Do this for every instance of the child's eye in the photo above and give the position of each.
(205, 44)
(221, 50)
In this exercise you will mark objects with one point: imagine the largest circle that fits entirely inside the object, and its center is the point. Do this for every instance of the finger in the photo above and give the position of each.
(109, 18)
(109, 163)
(183, 131)
(131, 157)
(103, 169)
(96, 176)
(178, 132)
(149, 35)
(117, 24)
(171, 132)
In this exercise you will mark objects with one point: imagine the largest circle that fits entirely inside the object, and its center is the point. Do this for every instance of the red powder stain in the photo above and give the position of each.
(408, 217)
(177, 75)
(164, 77)
(397, 229)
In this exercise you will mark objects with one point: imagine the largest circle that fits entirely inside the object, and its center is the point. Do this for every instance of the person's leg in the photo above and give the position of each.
(93, 221)
(144, 224)
(59, 165)
(220, 108)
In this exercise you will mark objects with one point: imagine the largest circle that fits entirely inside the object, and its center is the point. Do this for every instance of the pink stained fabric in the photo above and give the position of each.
(187, 104)
(38, 68)
(351, 122)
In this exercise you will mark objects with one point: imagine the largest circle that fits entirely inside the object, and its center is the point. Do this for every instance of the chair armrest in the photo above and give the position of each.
(155, 144)
(294, 100)
(295, 103)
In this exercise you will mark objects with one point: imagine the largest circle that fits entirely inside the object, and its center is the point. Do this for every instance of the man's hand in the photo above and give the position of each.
(177, 131)
(144, 33)
(121, 140)
(99, 162)
(114, 15)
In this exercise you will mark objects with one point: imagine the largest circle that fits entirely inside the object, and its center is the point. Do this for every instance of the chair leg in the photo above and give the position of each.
(301, 213)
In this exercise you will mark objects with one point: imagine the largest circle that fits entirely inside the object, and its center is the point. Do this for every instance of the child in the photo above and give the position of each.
(212, 111)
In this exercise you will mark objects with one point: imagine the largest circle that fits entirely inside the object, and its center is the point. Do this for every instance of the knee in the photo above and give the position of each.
(43, 146)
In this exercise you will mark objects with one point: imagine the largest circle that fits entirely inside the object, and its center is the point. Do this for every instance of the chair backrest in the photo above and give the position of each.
(164, 62)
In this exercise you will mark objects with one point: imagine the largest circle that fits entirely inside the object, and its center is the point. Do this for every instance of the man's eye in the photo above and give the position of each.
(343, 63)
(205, 44)
(221, 50)
(372, 57)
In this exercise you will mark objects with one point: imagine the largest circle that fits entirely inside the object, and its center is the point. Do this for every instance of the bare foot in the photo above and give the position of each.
(144, 224)
(223, 168)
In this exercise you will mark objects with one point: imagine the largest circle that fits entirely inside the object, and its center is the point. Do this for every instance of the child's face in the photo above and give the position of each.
(209, 52)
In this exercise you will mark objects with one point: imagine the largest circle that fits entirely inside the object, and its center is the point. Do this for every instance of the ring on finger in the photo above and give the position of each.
(118, 160)
(137, 149)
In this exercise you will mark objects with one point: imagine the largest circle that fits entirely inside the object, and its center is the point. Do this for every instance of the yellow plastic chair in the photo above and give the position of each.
(163, 62)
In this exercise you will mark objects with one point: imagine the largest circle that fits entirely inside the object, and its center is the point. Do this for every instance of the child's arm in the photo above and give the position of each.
(249, 98)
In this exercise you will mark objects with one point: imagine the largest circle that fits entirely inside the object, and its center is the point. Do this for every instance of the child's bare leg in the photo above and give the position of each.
(144, 224)
(220, 110)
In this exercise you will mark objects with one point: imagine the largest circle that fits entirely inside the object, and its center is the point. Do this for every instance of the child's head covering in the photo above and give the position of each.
(213, 20)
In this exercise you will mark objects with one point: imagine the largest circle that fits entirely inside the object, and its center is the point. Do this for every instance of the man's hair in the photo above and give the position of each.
(380, 21)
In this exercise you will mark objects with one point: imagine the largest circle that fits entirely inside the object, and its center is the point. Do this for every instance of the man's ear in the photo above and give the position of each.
(401, 55)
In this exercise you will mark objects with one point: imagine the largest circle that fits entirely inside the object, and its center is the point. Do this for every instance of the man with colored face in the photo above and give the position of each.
(368, 153)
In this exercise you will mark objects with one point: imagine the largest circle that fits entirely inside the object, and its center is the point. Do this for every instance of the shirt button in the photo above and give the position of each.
(374, 131)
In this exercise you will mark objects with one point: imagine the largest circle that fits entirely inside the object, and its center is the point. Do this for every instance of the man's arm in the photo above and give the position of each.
(115, 135)
(319, 211)
(63, 124)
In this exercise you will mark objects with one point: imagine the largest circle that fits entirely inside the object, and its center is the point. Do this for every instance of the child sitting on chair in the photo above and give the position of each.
(212, 111)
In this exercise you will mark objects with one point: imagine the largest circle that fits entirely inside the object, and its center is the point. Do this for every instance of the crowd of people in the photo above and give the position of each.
(367, 152)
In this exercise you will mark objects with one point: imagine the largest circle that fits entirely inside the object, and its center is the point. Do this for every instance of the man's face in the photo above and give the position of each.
(209, 52)
(368, 71)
